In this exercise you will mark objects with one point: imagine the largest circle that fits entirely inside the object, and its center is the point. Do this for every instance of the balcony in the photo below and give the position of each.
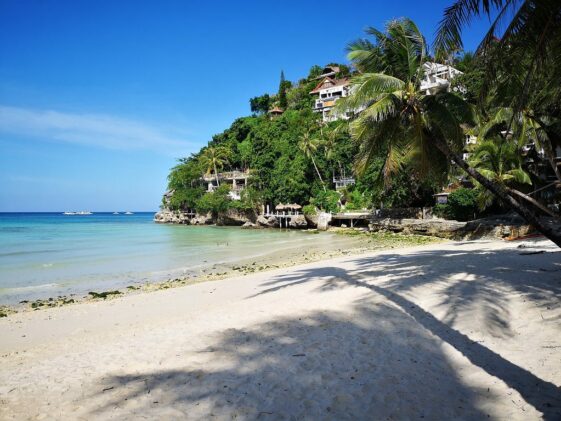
(320, 104)
(228, 175)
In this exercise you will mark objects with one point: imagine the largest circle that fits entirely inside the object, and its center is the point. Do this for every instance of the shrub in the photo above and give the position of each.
(462, 204)
(215, 202)
(309, 210)
(326, 200)
(440, 210)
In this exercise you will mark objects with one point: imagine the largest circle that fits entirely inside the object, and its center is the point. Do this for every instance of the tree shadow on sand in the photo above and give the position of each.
(382, 361)
(369, 364)
(480, 283)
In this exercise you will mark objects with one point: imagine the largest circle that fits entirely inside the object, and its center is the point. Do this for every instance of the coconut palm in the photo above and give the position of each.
(404, 123)
(522, 43)
(214, 158)
(309, 145)
(524, 127)
(534, 21)
(500, 161)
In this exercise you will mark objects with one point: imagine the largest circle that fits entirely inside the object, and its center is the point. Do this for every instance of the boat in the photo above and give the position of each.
(129, 213)
(69, 213)
(78, 213)
(116, 213)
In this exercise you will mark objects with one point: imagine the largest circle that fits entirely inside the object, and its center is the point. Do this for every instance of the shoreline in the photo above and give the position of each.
(242, 266)
(338, 338)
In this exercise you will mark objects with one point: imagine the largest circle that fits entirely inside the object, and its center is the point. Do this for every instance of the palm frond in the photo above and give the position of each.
(366, 88)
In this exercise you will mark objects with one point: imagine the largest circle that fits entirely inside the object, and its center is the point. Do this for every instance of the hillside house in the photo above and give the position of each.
(237, 180)
(328, 91)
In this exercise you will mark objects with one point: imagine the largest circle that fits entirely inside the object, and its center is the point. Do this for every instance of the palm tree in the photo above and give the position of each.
(500, 161)
(536, 22)
(523, 127)
(530, 42)
(404, 123)
(309, 146)
(214, 158)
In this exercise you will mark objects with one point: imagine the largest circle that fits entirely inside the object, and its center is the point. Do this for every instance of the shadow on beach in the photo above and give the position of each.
(382, 361)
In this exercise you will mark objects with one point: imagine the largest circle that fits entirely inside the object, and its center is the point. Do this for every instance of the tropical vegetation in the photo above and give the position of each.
(402, 144)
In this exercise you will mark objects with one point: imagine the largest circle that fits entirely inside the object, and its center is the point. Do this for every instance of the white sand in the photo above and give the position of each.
(441, 332)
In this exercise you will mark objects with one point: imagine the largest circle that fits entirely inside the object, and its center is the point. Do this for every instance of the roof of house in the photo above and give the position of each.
(276, 110)
(329, 71)
(332, 83)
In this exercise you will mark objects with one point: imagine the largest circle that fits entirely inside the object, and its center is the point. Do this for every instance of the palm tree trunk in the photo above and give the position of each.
(548, 150)
(319, 175)
(531, 200)
(216, 175)
(501, 193)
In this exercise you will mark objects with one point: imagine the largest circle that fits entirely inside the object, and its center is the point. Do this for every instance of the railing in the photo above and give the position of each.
(236, 188)
(322, 103)
(228, 175)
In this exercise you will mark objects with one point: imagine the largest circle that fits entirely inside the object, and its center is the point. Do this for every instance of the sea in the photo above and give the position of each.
(45, 255)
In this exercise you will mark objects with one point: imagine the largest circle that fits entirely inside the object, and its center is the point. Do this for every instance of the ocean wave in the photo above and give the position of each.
(29, 288)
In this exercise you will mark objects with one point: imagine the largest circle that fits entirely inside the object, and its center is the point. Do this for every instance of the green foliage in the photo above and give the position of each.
(315, 71)
(244, 150)
(309, 210)
(327, 201)
(440, 210)
(183, 199)
(354, 199)
(215, 202)
(461, 206)
(260, 104)
(283, 85)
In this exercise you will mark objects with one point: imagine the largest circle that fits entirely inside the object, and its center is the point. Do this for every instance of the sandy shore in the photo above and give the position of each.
(445, 331)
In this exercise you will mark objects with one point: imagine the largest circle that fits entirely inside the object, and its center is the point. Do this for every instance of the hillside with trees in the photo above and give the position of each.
(401, 142)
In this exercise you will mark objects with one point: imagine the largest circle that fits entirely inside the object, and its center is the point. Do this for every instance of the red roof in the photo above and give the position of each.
(332, 82)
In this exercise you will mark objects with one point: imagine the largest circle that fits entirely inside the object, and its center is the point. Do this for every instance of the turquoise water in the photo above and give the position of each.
(47, 254)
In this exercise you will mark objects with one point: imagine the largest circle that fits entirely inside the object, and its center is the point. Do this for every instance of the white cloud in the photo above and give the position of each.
(96, 130)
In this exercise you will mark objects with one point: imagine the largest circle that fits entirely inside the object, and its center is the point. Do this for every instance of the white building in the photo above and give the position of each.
(329, 90)
(237, 180)
(437, 77)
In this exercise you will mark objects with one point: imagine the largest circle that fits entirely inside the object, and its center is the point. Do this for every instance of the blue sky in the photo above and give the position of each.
(98, 98)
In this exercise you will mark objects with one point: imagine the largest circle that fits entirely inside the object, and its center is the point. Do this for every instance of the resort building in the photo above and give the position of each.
(236, 179)
(343, 182)
(329, 90)
(437, 77)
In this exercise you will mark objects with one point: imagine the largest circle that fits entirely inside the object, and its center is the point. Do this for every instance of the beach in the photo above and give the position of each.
(454, 330)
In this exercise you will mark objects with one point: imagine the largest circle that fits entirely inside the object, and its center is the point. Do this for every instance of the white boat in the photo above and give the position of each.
(116, 213)
(69, 213)
(129, 213)
(78, 213)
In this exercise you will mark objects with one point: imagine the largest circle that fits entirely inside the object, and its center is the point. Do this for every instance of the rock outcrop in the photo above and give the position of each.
(250, 225)
(324, 219)
(298, 221)
(167, 216)
(202, 219)
(481, 228)
(270, 222)
(235, 217)
(312, 220)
